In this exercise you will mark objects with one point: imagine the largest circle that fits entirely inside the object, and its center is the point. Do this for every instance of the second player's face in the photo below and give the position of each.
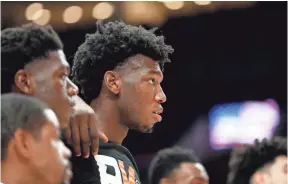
(52, 85)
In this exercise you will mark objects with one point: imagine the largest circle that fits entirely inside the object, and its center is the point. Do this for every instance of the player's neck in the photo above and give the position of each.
(109, 118)
(15, 173)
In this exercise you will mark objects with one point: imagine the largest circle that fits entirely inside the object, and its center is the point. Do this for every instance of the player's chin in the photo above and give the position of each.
(146, 128)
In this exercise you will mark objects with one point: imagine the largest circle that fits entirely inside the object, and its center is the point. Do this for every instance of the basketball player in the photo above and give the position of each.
(264, 162)
(176, 166)
(128, 60)
(31, 148)
(33, 63)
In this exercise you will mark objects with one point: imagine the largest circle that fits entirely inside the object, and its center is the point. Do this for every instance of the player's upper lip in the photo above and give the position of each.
(159, 110)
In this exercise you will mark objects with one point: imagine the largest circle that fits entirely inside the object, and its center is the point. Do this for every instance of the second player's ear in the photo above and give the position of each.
(23, 82)
(112, 82)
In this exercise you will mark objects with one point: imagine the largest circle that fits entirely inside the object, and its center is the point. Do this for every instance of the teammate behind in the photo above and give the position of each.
(33, 63)
(176, 166)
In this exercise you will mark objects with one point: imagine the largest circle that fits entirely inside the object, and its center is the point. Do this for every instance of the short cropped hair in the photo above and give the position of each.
(110, 46)
(167, 160)
(244, 162)
(19, 112)
(22, 45)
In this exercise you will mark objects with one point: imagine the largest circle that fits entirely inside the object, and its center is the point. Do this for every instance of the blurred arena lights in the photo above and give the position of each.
(201, 3)
(173, 5)
(72, 14)
(42, 17)
(132, 12)
(145, 12)
(232, 124)
(102, 11)
(32, 9)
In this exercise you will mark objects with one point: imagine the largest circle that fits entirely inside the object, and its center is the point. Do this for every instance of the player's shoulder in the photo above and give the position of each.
(117, 152)
(114, 164)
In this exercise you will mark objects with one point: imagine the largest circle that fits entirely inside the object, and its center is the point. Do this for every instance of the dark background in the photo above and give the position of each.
(230, 55)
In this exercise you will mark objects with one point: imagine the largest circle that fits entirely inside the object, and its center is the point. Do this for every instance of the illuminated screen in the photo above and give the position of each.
(232, 124)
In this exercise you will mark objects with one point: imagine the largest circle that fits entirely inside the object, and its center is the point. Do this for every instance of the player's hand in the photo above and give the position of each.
(84, 130)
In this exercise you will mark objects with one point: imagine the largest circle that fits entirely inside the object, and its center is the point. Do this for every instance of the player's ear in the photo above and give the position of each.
(112, 82)
(258, 178)
(24, 144)
(23, 82)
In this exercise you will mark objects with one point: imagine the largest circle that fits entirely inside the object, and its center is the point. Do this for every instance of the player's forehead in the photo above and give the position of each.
(58, 59)
(281, 159)
(142, 65)
(55, 60)
(51, 117)
(188, 167)
(191, 170)
(51, 128)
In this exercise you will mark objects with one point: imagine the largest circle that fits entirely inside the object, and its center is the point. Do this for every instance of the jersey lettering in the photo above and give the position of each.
(107, 174)
(126, 179)
(113, 172)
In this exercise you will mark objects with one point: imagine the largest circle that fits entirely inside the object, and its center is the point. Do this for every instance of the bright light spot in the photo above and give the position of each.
(136, 12)
(32, 9)
(102, 11)
(173, 5)
(42, 17)
(201, 3)
(72, 14)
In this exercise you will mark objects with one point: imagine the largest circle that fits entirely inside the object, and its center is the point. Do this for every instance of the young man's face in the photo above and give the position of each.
(187, 173)
(272, 173)
(141, 95)
(278, 170)
(48, 80)
(51, 157)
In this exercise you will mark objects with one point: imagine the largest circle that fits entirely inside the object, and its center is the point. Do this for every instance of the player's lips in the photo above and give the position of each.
(157, 113)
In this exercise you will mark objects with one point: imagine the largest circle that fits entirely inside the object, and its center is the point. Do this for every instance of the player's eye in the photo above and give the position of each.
(152, 81)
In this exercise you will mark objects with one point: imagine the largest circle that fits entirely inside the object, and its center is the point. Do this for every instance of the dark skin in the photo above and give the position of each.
(47, 79)
(187, 173)
(30, 156)
(132, 95)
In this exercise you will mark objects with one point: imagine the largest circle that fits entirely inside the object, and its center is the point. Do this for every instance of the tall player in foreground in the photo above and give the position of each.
(119, 71)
